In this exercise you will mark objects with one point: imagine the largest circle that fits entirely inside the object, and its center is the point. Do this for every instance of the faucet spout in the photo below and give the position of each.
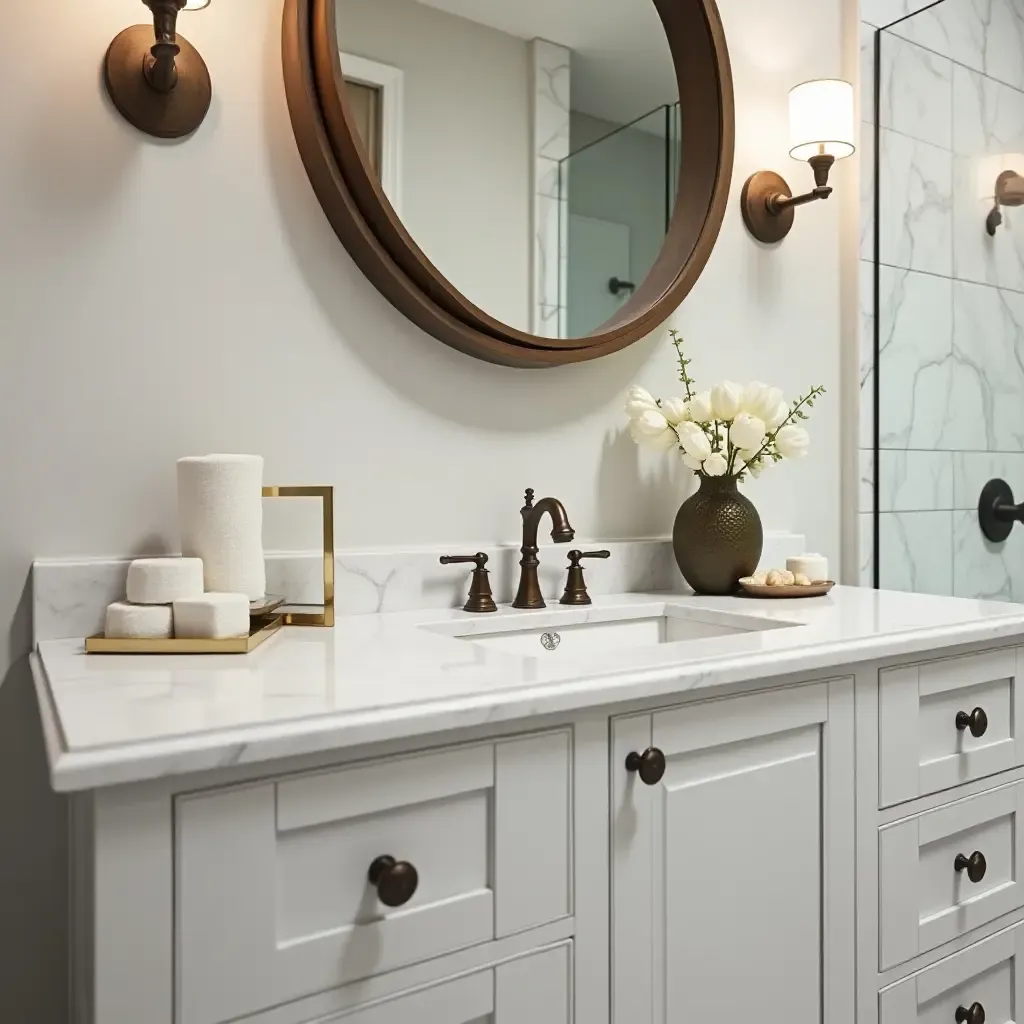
(529, 595)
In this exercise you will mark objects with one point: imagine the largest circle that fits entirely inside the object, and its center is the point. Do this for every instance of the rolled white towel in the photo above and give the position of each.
(164, 580)
(212, 616)
(138, 621)
(220, 512)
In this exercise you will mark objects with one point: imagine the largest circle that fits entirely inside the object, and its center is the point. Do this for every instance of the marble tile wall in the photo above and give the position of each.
(950, 106)
(550, 124)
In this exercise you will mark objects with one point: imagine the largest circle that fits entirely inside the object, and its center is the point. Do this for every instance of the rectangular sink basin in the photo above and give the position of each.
(556, 635)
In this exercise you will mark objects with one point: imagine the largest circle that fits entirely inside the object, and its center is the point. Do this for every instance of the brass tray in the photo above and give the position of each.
(817, 589)
(260, 629)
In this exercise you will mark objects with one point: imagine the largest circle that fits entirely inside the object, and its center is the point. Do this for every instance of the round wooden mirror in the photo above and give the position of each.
(533, 183)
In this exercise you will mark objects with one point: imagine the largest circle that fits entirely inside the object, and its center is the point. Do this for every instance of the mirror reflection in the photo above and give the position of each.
(531, 148)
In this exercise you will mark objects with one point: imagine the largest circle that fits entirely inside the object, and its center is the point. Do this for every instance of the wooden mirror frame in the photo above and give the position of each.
(364, 220)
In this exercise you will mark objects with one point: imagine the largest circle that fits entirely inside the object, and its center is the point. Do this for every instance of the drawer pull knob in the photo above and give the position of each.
(396, 880)
(975, 865)
(650, 765)
(976, 721)
(974, 1015)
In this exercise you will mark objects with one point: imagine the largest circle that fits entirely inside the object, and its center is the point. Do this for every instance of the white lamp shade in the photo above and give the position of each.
(196, 5)
(821, 119)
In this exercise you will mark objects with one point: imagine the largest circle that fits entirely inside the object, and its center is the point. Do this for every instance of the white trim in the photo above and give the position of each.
(391, 82)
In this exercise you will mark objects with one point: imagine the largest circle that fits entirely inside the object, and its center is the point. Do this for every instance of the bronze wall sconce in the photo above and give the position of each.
(821, 125)
(155, 77)
(1009, 192)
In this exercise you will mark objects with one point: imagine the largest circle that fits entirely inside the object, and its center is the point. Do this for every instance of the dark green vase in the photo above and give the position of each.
(717, 537)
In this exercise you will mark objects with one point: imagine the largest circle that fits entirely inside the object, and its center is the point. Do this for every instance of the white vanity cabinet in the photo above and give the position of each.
(731, 873)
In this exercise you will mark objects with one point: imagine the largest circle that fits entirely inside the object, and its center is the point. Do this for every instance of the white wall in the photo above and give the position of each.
(158, 300)
(467, 174)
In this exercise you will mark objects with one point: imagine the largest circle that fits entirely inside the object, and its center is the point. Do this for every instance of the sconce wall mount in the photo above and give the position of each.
(821, 117)
(156, 78)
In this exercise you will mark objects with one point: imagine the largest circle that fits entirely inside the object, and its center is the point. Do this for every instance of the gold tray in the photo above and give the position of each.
(260, 629)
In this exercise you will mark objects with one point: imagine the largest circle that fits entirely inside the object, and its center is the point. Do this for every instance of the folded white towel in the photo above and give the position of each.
(220, 512)
(212, 616)
(138, 621)
(164, 580)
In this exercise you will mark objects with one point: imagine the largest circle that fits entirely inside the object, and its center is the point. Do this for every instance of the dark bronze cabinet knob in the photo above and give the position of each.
(975, 865)
(976, 721)
(396, 880)
(975, 1014)
(650, 765)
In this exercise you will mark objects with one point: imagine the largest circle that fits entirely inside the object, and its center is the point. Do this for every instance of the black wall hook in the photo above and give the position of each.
(997, 512)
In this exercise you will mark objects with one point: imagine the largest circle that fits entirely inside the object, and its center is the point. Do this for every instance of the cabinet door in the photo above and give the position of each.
(733, 875)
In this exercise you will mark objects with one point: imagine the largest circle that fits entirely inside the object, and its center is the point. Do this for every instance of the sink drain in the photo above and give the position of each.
(549, 641)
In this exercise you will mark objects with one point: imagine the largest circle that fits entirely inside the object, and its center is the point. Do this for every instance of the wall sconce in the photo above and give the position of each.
(821, 131)
(156, 78)
(1009, 192)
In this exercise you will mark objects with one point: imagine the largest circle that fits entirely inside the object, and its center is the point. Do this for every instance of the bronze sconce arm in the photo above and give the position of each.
(156, 78)
(768, 203)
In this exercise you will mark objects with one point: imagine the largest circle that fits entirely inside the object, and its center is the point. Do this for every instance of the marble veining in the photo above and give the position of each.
(916, 552)
(550, 115)
(915, 359)
(983, 569)
(880, 13)
(915, 204)
(915, 92)
(915, 481)
(110, 720)
(866, 549)
(988, 340)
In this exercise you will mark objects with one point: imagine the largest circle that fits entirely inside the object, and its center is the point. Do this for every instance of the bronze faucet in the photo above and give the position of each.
(529, 595)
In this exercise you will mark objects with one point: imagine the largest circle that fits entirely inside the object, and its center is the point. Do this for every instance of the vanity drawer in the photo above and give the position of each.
(926, 896)
(273, 895)
(922, 749)
(990, 973)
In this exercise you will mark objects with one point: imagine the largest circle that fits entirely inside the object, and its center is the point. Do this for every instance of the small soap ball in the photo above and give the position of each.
(211, 617)
(138, 621)
(164, 580)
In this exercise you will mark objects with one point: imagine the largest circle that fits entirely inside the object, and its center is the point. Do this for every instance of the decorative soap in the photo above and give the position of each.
(211, 617)
(164, 580)
(138, 621)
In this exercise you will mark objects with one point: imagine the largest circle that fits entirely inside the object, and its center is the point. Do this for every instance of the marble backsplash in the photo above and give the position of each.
(69, 597)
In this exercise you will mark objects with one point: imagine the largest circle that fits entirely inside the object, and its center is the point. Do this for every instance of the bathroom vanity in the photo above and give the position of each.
(655, 809)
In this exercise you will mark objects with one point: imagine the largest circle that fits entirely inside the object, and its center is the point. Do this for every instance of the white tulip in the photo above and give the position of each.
(777, 415)
(725, 400)
(638, 401)
(753, 464)
(691, 463)
(674, 410)
(715, 464)
(694, 441)
(700, 408)
(652, 431)
(747, 431)
(792, 442)
(760, 400)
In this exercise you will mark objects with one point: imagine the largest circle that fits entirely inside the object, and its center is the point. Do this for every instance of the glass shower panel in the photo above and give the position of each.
(946, 269)
(617, 195)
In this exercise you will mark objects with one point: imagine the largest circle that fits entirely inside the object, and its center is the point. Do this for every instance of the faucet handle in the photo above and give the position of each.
(576, 556)
(575, 586)
(480, 597)
(529, 498)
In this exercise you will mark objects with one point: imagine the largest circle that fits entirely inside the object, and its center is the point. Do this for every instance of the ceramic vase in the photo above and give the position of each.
(717, 537)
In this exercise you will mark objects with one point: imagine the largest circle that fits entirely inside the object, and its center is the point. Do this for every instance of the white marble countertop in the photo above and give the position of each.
(113, 719)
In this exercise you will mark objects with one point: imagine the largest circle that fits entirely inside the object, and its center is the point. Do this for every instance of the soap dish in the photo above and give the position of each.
(261, 628)
(817, 589)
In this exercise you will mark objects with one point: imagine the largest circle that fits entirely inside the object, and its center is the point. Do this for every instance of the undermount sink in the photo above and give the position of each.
(556, 634)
